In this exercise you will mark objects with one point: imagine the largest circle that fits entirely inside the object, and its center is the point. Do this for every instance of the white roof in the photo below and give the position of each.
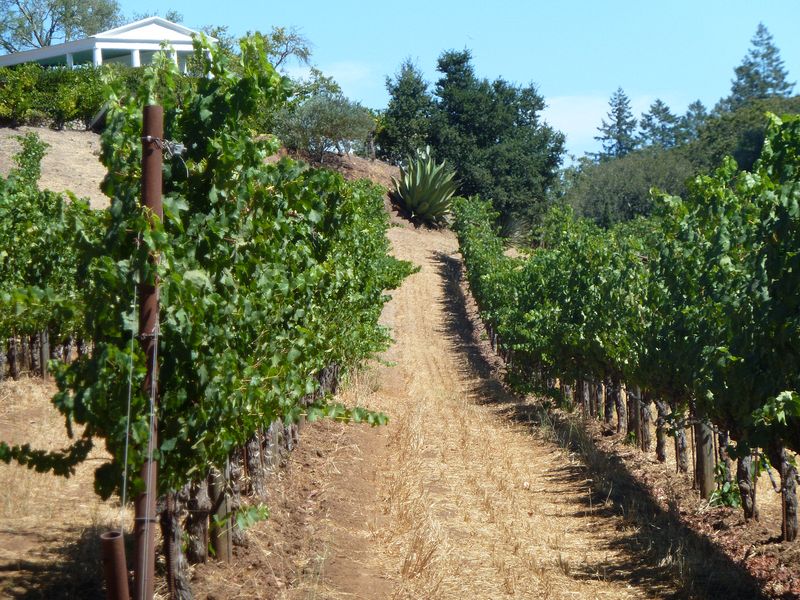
(149, 29)
(145, 34)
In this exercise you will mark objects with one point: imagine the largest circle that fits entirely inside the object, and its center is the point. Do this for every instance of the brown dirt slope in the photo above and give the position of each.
(71, 163)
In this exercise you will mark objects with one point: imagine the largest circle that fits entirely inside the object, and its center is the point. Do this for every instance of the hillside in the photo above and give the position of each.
(470, 491)
(72, 162)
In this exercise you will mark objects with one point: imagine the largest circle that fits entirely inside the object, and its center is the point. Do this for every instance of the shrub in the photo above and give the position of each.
(425, 189)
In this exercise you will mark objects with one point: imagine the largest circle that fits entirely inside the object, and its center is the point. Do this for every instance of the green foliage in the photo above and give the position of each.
(268, 273)
(739, 133)
(727, 492)
(618, 134)
(324, 123)
(693, 121)
(659, 127)
(619, 190)
(18, 98)
(321, 119)
(31, 94)
(493, 136)
(698, 302)
(404, 126)
(248, 516)
(761, 74)
(491, 133)
(26, 24)
(424, 189)
(41, 237)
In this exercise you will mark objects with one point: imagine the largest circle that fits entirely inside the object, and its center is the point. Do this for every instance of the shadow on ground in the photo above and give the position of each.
(660, 554)
(72, 570)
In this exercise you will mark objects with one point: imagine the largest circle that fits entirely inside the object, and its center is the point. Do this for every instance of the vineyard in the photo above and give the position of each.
(271, 279)
(349, 405)
(692, 311)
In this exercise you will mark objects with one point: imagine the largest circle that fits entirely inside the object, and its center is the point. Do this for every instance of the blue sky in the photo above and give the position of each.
(577, 52)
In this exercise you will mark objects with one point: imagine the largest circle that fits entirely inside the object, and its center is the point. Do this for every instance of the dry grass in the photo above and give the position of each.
(49, 526)
(475, 506)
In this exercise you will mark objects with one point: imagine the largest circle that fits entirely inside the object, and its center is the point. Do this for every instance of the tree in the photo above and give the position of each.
(692, 122)
(406, 122)
(321, 119)
(659, 126)
(739, 133)
(760, 75)
(27, 24)
(619, 190)
(284, 43)
(492, 134)
(617, 135)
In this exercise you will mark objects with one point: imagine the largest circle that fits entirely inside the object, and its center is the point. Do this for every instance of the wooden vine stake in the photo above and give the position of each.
(144, 529)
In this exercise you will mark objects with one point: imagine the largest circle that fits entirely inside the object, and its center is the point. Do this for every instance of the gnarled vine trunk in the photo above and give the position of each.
(599, 399)
(256, 468)
(781, 461)
(681, 444)
(645, 421)
(13, 358)
(172, 536)
(235, 472)
(723, 439)
(608, 405)
(619, 403)
(661, 430)
(704, 460)
(198, 507)
(583, 394)
(633, 396)
(746, 480)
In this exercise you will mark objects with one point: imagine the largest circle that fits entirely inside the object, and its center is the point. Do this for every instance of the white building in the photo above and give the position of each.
(133, 44)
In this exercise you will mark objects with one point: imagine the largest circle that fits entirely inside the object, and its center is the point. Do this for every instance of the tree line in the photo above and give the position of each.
(493, 135)
(664, 150)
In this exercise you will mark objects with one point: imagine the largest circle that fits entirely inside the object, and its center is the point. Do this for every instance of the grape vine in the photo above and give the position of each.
(697, 306)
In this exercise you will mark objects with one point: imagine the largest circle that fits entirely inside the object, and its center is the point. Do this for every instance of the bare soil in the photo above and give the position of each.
(71, 163)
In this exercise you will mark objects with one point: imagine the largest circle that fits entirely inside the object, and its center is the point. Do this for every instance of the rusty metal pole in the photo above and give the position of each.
(144, 529)
(114, 567)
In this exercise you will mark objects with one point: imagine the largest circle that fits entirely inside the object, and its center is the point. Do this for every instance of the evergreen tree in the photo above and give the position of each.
(691, 123)
(618, 134)
(405, 123)
(760, 75)
(659, 127)
(492, 134)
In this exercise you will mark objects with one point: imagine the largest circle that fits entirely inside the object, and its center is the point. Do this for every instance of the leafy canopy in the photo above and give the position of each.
(26, 24)
(492, 134)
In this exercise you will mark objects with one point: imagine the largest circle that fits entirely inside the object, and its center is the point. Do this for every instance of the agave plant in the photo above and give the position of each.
(424, 189)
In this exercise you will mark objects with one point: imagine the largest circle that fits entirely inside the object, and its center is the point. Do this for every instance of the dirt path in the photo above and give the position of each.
(452, 500)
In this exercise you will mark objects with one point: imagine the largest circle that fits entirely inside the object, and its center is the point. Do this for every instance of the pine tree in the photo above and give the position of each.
(691, 123)
(405, 123)
(659, 127)
(618, 134)
(761, 74)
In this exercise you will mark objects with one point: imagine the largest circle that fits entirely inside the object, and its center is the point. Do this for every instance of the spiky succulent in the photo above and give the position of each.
(425, 189)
